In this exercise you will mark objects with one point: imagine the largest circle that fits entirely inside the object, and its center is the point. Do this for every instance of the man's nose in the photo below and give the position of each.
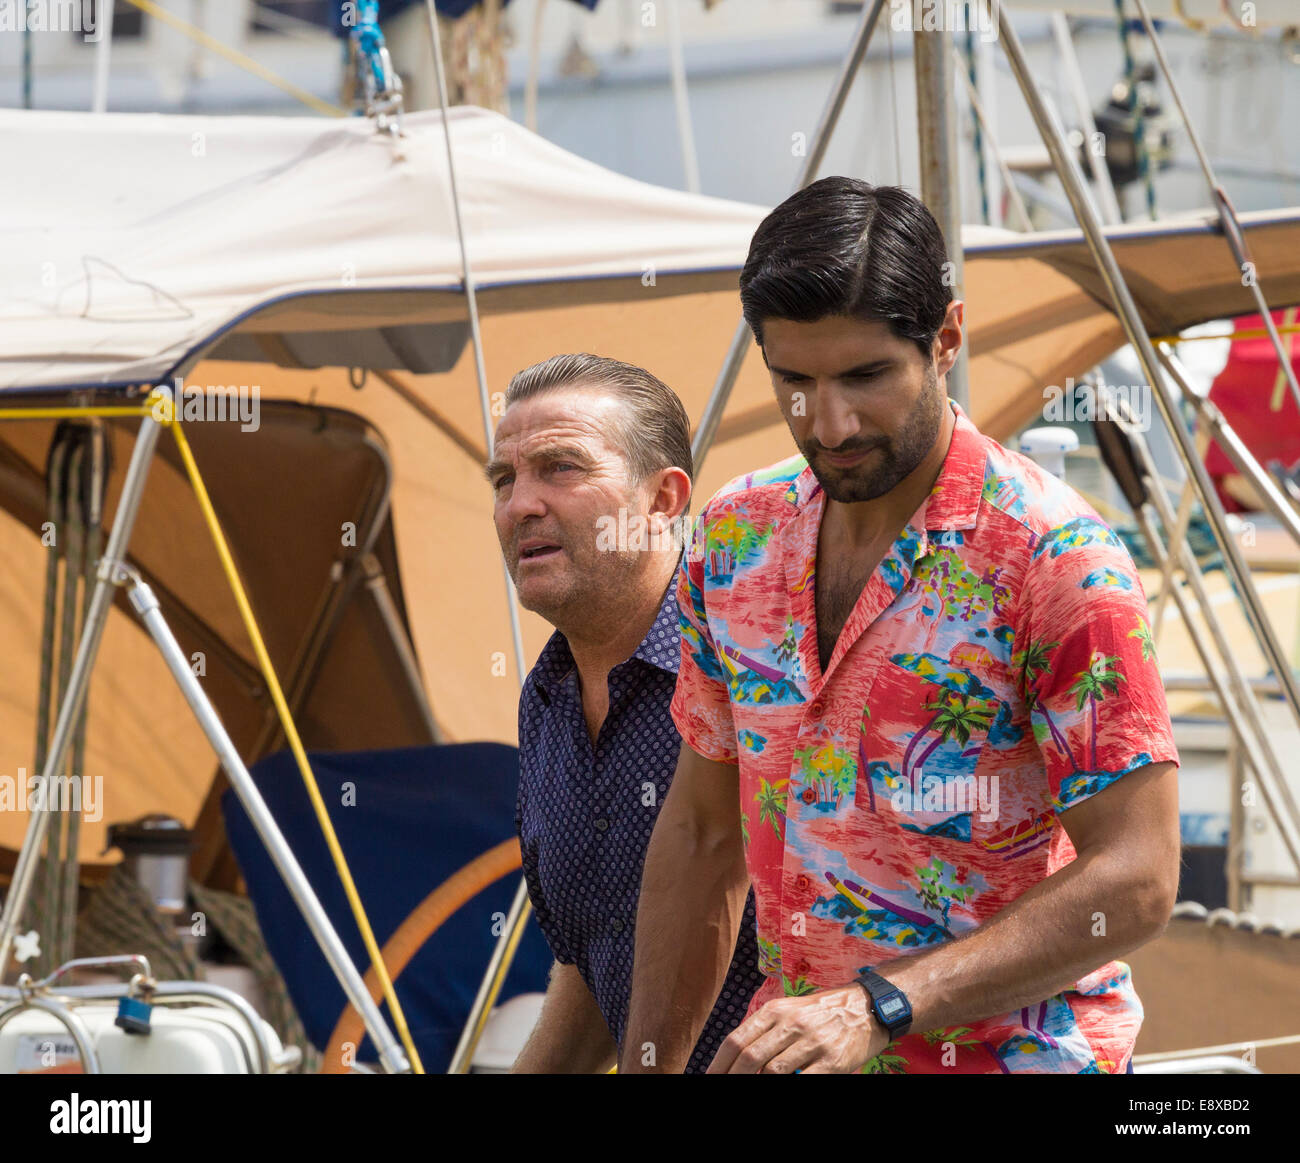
(527, 499)
(834, 421)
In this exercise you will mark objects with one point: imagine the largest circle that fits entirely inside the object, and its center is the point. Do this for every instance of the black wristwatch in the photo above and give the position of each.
(889, 1003)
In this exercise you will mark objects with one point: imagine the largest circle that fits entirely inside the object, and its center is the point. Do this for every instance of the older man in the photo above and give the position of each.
(925, 663)
(591, 473)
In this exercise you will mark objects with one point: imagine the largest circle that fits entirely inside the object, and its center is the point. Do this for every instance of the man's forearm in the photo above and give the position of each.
(571, 1036)
(1078, 919)
(692, 899)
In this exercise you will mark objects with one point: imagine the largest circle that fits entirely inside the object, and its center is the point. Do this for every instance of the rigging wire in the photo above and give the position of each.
(1227, 213)
(235, 57)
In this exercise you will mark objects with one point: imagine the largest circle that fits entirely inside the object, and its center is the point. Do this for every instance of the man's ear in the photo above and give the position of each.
(671, 494)
(949, 341)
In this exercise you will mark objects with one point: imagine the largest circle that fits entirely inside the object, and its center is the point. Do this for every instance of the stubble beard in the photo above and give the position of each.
(592, 581)
(896, 458)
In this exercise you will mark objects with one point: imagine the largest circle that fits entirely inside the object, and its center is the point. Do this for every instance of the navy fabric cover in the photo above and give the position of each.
(418, 815)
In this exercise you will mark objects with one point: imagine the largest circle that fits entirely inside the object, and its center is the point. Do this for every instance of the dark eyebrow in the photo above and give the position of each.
(550, 452)
(861, 369)
(563, 452)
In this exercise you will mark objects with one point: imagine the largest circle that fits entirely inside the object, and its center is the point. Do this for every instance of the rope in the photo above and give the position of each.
(1245, 333)
(93, 529)
(66, 413)
(61, 854)
(1227, 1048)
(247, 63)
(1135, 108)
(977, 141)
(294, 741)
(27, 66)
(38, 914)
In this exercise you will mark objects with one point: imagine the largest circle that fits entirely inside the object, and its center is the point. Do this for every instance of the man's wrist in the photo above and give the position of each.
(888, 1004)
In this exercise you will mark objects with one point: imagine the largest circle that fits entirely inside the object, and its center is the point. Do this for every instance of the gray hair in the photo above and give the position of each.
(653, 429)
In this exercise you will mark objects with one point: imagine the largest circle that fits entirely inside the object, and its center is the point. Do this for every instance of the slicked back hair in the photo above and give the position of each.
(654, 431)
(841, 246)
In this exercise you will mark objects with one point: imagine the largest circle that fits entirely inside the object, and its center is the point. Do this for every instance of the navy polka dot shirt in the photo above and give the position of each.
(585, 814)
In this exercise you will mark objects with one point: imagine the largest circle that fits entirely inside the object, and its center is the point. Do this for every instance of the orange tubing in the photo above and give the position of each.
(461, 886)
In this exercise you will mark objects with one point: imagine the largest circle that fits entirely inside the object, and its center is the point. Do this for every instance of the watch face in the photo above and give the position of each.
(891, 1007)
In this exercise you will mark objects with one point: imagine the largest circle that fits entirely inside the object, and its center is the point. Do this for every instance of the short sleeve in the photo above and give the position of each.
(1086, 663)
(701, 706)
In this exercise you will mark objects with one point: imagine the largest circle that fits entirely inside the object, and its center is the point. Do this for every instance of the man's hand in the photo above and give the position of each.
(832, 1031)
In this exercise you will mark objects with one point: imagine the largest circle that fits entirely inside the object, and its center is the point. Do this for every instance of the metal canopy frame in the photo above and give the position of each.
(114, 571)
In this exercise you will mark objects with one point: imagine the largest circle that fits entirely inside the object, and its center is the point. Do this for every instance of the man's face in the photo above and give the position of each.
(863, 406)
(555, 471)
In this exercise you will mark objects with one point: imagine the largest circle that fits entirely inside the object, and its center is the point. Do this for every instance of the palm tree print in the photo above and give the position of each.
(955, 717)
(1142, 632)
(828, 772)
(1033, 663)
(770, 798)
(1090, 687)
(798, 987)
(884, 1063)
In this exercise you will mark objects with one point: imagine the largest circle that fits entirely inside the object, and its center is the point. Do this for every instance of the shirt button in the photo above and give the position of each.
(617, 925)
(602, 824)
(817, 708)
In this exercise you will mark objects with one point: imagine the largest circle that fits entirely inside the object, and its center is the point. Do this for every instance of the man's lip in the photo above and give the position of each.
(548, 550)
(844, 460)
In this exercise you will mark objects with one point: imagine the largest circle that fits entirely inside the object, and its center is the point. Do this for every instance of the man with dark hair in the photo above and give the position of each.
(591, 472)
(920, 666)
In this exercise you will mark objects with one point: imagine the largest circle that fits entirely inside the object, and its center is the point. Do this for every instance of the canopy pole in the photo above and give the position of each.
(1083, 110)
(498, 966)
(103, 54)
(681, 99)
(128, 509)
(1130, 318)
(1232, 687)
(936, 114)
(145, 604)
(740, 341)
(502, 956)
(1233, 446)
(395, 1057)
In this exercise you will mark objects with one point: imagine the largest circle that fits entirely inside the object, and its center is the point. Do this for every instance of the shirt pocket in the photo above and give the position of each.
(926, 729)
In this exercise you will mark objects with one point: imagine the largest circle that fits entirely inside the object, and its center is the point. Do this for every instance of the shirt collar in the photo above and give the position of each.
(661, 647)
(953, 502)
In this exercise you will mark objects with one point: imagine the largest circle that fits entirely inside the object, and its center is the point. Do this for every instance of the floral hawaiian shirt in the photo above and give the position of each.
(996, 670)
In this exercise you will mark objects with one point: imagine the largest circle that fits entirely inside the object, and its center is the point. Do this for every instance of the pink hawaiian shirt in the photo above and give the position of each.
(996, 670)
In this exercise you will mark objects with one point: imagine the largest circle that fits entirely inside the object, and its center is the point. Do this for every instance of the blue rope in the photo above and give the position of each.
(979, 136)
(1135, 108)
